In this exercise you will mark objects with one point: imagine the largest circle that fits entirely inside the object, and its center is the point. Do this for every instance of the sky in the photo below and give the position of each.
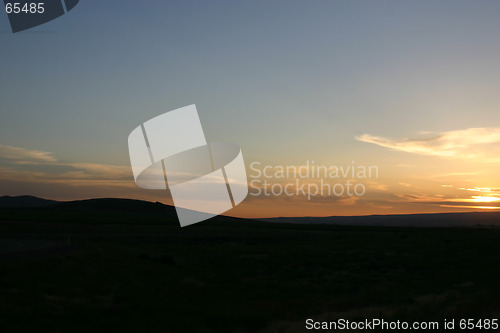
(409, 87)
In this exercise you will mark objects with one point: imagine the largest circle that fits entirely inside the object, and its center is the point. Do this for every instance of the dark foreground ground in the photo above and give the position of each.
(94, 270)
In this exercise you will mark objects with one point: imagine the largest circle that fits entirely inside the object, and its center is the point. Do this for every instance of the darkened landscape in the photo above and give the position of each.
(125, 265)
(249, 166)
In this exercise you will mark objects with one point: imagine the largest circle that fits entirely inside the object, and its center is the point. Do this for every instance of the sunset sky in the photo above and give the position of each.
(410, 87)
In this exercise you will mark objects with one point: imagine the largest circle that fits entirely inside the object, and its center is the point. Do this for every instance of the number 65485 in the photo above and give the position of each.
(27, 8)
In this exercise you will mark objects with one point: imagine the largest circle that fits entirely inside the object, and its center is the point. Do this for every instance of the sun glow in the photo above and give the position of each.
(487, 198)
(478, 198)
(471, 207)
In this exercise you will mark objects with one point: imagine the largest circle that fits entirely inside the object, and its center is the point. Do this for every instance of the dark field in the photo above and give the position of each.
(81, 269)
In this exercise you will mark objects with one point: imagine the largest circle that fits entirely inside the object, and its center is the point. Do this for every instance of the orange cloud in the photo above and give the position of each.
(467, 143)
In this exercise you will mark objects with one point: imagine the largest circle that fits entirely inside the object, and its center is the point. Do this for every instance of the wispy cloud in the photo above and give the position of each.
(44, 165)
(21, 155)
(464, 143)
(19, 165)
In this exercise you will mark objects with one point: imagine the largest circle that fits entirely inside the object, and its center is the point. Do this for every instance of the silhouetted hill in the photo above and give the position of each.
(95, 211)
(114, 204)
(131, 209)
(403, 220)
(111, 210)
(24, 201)
(123, 210)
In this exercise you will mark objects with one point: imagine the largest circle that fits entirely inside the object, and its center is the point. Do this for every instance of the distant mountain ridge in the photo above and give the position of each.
(97, 203)
(93, 210)
(24, 201)
(113, 204)
(132, 206)
(400, 220)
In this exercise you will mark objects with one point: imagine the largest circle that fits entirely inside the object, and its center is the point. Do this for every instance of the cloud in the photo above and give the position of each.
(466, 143)
(19, 165)
(21, 155)
(41, 164)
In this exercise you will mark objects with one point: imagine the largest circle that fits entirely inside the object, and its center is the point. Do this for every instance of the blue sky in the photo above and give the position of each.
(288, 81)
